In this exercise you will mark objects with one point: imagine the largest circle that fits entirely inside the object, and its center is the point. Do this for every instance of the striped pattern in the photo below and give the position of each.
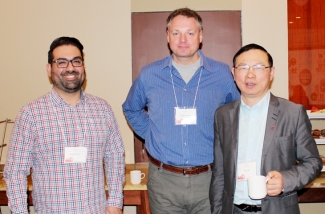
(42, 130)
(188, 145)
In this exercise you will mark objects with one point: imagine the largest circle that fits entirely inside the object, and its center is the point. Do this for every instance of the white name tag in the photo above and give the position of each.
(75, 154)
(185, 116)
(245, 170)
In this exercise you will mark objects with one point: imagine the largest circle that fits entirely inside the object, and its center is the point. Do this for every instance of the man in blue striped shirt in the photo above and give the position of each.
(181, 92)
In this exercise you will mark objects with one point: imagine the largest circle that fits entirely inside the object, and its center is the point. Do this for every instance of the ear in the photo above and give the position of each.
(201, 35)
(167, 35)
(272, 73)
(233, 73)
(48, 69)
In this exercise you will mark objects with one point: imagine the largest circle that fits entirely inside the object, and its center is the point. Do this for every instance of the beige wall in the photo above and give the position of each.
(170, 5)
(265, 22)
(104, 28)
(29, 27)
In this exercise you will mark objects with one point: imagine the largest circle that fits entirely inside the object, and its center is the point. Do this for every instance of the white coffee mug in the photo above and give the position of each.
(256, 186)
(136, 176)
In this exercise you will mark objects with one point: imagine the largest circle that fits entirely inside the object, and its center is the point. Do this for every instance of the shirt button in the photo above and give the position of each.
(186, 162)
(185, 144)
(184, 89)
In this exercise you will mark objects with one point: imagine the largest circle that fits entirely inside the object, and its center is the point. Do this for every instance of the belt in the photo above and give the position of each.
(185, 171)
(249, 208)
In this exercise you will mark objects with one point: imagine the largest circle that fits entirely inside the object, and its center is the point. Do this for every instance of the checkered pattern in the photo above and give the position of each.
(42, 130)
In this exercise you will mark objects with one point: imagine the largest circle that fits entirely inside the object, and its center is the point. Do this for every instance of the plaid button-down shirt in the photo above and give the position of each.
(42, 130)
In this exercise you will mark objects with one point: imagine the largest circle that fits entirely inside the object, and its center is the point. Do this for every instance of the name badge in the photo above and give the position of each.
(185, 116)
(245, 170)
(75, 154)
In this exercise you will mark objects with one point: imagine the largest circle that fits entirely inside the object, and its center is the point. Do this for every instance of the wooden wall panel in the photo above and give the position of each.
(221, 40)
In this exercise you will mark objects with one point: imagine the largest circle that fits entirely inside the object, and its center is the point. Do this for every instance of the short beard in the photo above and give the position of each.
(68, 86)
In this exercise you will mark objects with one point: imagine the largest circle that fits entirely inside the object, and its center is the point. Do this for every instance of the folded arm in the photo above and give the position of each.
(134, 111)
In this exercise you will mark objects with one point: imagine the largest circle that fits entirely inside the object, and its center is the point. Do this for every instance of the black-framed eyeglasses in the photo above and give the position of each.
(63, 63)
(256, 68)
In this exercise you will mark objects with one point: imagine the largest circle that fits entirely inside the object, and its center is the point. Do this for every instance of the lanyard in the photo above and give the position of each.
(61, 126)
(197, 88)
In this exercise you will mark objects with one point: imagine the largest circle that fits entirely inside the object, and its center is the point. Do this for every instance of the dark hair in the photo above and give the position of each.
(252, 47)
(64, 41)
(185, 12)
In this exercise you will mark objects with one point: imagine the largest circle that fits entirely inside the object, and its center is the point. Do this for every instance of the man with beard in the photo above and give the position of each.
(64, 136)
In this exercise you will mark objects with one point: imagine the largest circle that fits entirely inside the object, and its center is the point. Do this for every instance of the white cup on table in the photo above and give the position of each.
(257, 186)
(136, 176)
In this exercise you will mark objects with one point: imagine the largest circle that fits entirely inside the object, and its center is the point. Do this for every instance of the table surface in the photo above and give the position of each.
(318, 182)
(143, 167)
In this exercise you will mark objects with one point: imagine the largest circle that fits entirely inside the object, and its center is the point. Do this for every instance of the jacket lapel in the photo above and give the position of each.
(272, 116)
(234, 128)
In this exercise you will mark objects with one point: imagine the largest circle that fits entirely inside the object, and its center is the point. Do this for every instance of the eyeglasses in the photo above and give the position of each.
(256, 68)
(63, 63)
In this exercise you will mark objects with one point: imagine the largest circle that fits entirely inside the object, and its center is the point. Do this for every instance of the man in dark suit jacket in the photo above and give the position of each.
(260, 134)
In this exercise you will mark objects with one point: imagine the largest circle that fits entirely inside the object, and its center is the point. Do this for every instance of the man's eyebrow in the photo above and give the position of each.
(76, 57)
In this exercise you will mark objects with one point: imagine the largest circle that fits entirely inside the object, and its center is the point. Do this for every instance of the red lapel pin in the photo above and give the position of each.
(272, 127)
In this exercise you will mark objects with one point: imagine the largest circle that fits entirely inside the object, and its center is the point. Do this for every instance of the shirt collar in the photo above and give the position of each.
(264, 102)
(203, 62)
(60, 101)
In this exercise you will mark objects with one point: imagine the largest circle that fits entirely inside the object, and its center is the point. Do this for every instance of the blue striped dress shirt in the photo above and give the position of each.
(179, 145)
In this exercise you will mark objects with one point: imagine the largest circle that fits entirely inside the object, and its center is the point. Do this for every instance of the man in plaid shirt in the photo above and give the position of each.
(64, 136)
